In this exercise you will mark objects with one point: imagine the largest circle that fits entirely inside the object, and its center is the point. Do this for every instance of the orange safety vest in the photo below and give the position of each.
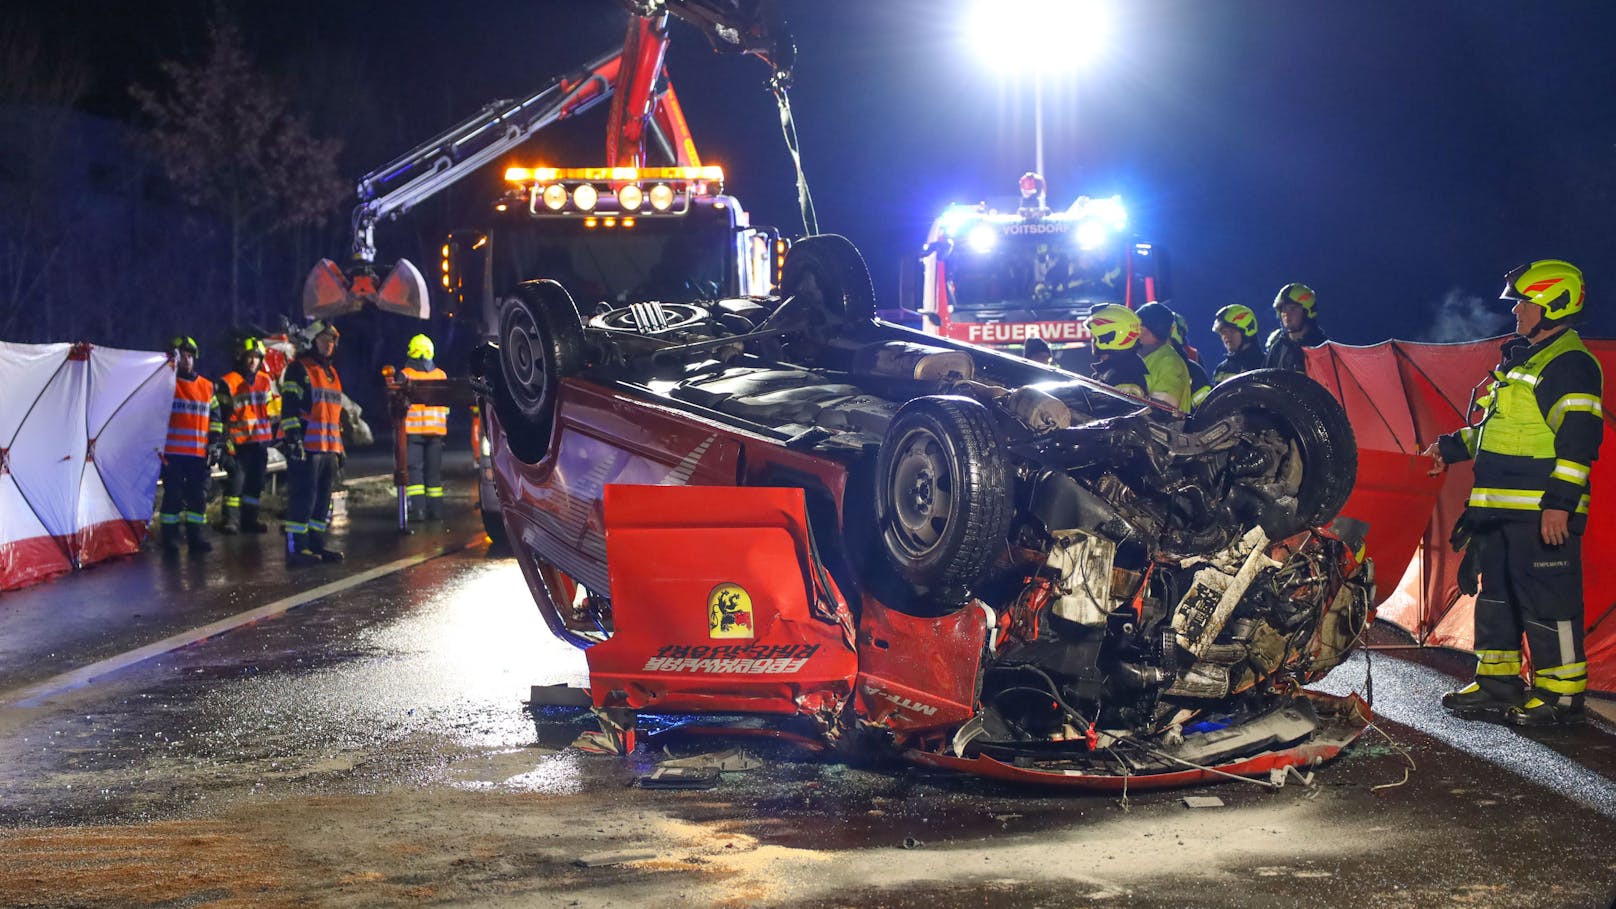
(323, 431)
(426, 419)
(249, 408)
(189, 418)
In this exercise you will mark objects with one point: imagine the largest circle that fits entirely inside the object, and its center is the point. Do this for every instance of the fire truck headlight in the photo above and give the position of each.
(1090, 234)
(585, 197)
(555, 196)
(629, 197)
(982, 238)
(661, 197)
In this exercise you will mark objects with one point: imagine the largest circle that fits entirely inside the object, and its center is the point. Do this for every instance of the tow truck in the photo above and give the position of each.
(612, 235)
(998, 278)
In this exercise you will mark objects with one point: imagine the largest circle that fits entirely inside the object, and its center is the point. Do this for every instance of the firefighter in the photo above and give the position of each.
(1236, 325)
(1167, 378)
(1037, 350)
(1297, 308)
(1200, 385)
(245, 397)
(1536, 441)
(425, 426)
(1114, 341)
(311, 427)
(194, 433)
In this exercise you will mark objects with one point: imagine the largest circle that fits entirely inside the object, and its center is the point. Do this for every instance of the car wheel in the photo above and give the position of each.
(943, 495)
(1314, 424)
(541, 342)
(829, 269)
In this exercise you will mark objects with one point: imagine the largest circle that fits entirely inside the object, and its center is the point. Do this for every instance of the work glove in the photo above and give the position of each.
(1463, 540)
(215, 453)
(292, 447)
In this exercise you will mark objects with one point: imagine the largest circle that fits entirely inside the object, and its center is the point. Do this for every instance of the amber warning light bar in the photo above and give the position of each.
(622, 191)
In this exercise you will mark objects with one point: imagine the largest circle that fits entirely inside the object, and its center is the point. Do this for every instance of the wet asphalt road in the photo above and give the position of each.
(373, 748)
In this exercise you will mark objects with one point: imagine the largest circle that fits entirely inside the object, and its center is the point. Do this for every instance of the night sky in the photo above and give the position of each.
(1397, 156)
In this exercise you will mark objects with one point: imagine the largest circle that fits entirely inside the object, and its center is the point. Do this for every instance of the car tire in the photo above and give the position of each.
(943, 502)
(541, 341)
(1314, 421)
(830, 266)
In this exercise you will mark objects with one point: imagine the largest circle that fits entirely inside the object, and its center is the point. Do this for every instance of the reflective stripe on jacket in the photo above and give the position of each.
(426, 419)
(312, 393)
(192, 419)
(1540, 432)
(249, 408)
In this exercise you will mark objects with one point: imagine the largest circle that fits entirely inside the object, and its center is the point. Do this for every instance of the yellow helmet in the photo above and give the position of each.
(1301, 295)
(1236, 316)
(1554, 284)
(183, 343)
(420, 348)
(1114, 327)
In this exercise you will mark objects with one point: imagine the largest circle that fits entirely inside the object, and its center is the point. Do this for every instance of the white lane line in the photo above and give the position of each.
(67, 681)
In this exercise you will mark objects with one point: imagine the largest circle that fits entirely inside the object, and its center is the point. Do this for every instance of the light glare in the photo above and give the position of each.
(1039, 36)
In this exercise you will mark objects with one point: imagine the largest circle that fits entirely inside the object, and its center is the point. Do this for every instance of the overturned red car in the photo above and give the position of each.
(785, 506)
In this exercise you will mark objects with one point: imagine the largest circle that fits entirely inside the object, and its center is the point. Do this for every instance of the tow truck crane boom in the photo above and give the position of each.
(644, 106)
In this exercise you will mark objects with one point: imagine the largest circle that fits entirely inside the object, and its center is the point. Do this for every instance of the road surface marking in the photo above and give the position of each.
(31, 695)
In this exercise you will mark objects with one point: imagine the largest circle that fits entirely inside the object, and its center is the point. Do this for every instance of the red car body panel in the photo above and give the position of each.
(917, 674)
(717, 607)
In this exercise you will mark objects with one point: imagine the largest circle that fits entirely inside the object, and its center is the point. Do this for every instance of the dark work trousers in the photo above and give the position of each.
(1529, 587)
(245, 483)
(424, 455)
(185, 483)
(308, 495)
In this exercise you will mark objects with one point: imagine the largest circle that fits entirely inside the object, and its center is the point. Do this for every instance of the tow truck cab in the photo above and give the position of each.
(611, 237)
(999, 278)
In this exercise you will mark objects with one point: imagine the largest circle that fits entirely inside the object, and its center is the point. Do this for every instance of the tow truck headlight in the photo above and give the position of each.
(585, 197)
(661, 197)
(555, 197)
(629, 197)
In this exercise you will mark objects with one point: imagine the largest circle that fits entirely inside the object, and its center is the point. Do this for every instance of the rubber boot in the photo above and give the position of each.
(1472, 700)
(195, 540)
(171, 538)
(317, 546)
(434, 508)
(1538, 712)
(250, 522)
(298, 552)
(231, 525)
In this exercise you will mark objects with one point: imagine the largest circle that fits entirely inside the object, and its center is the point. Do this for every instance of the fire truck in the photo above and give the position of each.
(999, 278)
(616, 234)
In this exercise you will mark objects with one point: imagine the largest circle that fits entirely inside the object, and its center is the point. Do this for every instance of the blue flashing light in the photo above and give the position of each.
(1091, 234)
(955, 217)
(982, 238)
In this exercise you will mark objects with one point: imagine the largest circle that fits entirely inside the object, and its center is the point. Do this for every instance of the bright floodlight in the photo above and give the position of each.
(1032, 36)
(1091, 235)
(982, 238)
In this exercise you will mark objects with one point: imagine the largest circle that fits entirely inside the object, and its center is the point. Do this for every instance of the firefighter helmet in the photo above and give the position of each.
(1301, 295)
(1181, 328)
(420, 348)
(181, 343)
(1114, 327)
(1238, 316)
(251, 347)
(1554, 284)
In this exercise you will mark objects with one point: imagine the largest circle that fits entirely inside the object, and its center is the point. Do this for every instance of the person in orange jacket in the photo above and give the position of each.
(194, 437)
(426, 426)
(245, 397)
(311, 429)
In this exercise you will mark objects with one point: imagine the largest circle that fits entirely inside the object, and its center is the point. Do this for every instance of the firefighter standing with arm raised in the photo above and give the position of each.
(311, 423)
(1533, 450)
(194, 438)
(245, 396)
(425, 426)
